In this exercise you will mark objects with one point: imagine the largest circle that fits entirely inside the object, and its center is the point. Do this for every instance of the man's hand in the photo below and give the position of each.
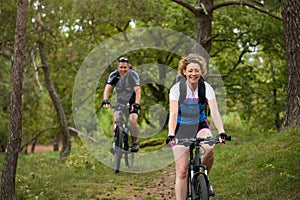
(105, 103)
(136, 106)
(170, 138)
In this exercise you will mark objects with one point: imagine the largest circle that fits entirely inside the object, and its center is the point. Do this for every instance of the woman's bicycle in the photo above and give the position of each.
(198, 182)
(122, 143)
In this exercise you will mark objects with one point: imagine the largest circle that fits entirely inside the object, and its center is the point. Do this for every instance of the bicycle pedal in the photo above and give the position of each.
(134, 150)
(135, 147)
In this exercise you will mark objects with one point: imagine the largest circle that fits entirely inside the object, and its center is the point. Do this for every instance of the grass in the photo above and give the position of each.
(41, 176)
(252, 166)
(258, 166)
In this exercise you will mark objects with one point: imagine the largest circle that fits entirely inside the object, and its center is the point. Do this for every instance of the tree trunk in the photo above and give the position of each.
(291, 22)
(33, 143)
(15, 138)
(203, 24)
(66, 148)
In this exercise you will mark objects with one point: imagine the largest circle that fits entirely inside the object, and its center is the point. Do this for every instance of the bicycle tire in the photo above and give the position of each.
(129, 156)
(125, 141)
(199, 187)
(118, 149)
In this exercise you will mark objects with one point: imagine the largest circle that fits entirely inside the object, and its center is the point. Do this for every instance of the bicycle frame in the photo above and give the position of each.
(121, 136)
(195, 169)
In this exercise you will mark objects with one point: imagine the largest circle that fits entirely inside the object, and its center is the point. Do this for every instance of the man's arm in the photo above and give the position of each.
(137, 90)
(106, 93)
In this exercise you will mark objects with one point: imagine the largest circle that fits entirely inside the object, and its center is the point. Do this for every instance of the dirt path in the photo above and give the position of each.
(39, 148)
(164, 187)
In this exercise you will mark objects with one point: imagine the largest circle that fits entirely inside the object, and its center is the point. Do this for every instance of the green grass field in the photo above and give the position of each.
(252, 166)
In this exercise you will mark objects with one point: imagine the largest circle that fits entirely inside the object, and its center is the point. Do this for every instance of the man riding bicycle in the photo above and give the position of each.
(127, 83)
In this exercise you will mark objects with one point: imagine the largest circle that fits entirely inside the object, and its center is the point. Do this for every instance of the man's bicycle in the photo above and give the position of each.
(122, 133)
(198, 182)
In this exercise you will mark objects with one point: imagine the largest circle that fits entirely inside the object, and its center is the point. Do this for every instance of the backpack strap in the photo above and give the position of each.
(201, 91)
(183, 89)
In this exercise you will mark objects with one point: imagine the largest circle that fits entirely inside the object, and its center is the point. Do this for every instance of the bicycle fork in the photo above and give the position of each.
(122, 129)
(197, 167)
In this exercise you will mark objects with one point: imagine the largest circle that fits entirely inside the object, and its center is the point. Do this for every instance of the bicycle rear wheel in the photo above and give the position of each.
(129, 159)
(199, 187)
(118, 149)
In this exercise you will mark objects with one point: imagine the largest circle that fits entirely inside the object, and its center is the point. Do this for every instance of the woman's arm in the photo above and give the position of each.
(215, 114)
(173, 116)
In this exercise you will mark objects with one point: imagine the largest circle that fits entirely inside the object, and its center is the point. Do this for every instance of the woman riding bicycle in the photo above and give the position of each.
(188, 120)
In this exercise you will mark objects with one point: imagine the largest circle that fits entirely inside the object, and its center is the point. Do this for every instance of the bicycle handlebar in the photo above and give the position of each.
(119, 106)
(208, 140)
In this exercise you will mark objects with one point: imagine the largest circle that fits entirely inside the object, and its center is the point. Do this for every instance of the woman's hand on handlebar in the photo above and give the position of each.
(222, 137)
(171, 139)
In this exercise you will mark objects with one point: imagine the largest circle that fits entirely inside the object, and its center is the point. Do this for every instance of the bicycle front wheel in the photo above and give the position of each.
(199, 187)
(118, 149)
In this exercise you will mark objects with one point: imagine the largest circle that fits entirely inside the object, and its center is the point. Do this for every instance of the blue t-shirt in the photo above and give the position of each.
(190, 112)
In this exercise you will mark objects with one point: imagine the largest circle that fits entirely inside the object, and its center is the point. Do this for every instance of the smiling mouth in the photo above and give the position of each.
(193, 77)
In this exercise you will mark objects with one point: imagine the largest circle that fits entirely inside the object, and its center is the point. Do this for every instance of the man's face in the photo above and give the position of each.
(123, 68)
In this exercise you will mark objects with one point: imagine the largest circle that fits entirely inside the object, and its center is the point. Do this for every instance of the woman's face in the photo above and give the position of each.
(192, 73)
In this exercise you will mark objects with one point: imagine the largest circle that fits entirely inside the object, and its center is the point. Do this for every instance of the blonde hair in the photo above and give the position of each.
(192, 58)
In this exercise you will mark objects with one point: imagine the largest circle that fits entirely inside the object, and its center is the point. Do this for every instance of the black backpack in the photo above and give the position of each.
(182, 89)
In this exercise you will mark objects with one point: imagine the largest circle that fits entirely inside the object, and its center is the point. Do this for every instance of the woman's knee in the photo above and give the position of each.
(181, 172)
(209, 152)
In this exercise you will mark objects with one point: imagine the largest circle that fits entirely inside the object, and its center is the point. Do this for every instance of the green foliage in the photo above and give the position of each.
(4, 103)
(8, 12)
(76, 161)
(251, 56)
(256, 87)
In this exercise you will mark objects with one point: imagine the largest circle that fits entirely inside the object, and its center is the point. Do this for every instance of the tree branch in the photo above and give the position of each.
(36, 72)
(82, 134)
(230, 3)
(186, 5)
(238, 62)
(37, 135)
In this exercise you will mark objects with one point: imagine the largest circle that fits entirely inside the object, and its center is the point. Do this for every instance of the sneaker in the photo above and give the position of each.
(135, 147)
(211, 191)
